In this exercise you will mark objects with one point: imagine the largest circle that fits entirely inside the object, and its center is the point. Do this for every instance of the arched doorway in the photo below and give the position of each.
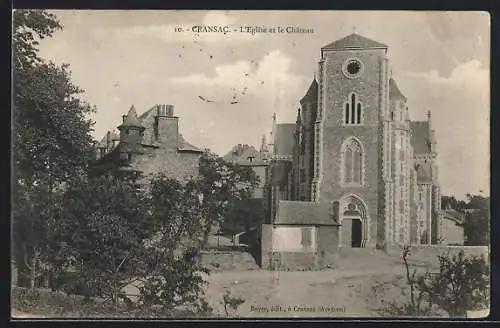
(354, 222)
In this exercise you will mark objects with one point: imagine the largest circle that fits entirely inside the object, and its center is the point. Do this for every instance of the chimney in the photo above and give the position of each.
(170, 110)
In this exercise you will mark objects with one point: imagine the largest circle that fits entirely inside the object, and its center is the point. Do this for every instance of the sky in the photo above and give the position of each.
(440, 61)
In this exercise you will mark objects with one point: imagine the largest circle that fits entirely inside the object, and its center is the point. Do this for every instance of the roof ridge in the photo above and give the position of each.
(354, 41)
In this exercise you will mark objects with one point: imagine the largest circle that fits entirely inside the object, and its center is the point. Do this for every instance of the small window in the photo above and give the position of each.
(307, 237)
(129, 155)
(392, 116)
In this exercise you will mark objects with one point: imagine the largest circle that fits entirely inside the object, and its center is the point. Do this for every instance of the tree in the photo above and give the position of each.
(476, 212)
(101, 228)
(172, 275)
(243, 215)
(461, 284)
(477, 221)
(221, 183)
(51, 135)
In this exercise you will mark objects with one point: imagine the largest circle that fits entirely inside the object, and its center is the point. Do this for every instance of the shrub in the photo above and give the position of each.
(460, 285)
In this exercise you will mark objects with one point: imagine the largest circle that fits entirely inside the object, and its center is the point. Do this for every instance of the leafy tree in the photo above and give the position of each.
(172, 275)
(476, 212)
(243, 215)
(452, 202)
(51, 135)
(101, 229)
(221, 183)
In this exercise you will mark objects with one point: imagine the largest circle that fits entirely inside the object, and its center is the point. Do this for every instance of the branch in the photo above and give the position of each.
(119, 266)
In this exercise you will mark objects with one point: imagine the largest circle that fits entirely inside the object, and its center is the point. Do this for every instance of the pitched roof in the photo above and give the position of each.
(104, 141)
(420, 137)
(394, 92)
(303, 213)
(186, 146)
(241, 154)
(312, 92)
(284, 140)
(131, 118)
(354, 41)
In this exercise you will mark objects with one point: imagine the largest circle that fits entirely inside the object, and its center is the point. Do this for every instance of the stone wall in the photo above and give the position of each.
(337, 88)
(168, 161)
(326, 254)
(429, 254)
(328, 245)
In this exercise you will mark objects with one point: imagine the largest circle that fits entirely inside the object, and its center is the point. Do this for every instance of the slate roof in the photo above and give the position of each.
(312, 92)
(420, 137)
(186, 146)
(394, 92)
(104, 141)
(240, 155)
(354, 41)
(131, 118)
(303, 213)
(284, 140)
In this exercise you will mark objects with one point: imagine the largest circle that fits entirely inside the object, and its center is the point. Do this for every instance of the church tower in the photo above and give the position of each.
(351, 148)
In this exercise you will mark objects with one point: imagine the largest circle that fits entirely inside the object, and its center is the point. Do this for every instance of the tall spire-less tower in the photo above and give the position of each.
(352, 104)
(131, 134)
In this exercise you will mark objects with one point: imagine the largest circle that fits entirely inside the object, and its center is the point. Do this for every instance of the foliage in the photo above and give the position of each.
(51, 137)
(476, 213)
(221, 183)
(231, 302)
(243, 215)
(171, 275)
(101, 228)
(460, 285)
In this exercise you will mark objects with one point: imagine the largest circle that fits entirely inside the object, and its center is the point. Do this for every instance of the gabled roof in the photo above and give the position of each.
(284, 140)
(354, 41)
(241, 154)
(312, 92)
(420, 137)
(394, 92)
(303, 213)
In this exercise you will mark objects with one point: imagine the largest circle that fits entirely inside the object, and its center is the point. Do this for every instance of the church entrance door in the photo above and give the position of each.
(356, 233)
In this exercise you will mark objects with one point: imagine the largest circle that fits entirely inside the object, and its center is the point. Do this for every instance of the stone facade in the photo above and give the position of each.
(147, 145)
(355, 147)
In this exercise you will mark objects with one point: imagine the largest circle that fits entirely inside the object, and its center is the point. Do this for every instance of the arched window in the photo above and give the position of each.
(352, 153)
(353, 111)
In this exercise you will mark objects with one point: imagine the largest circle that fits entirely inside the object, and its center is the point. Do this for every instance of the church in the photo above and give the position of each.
(353, 171)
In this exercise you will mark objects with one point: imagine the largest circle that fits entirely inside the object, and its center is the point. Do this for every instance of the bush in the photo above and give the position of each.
(460, 285)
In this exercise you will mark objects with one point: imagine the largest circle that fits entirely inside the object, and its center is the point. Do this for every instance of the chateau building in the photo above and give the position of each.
(147, 144)
(353, 162)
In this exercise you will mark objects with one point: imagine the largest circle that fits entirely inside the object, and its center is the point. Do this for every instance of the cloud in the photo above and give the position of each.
(186, 31)
(270, 76)
(466, 75)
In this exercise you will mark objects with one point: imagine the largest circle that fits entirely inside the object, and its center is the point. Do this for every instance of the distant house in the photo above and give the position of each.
(246, 155)
(147, 144)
